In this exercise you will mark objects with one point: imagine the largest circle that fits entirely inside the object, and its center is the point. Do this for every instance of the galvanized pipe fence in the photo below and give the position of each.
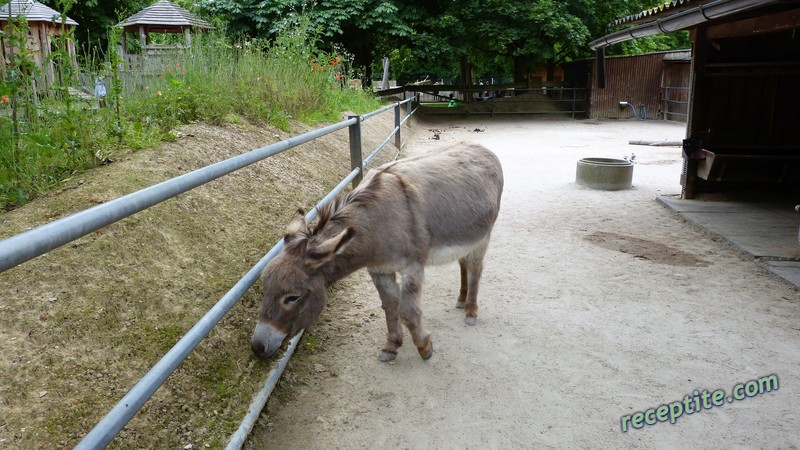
(553, 100)
(17, 249)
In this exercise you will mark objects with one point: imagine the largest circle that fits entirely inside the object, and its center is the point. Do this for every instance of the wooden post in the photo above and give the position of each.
(142, 38)
(695, 118)
(41, 38)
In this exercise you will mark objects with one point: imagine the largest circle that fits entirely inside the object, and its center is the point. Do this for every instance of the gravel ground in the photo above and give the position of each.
(594, 305)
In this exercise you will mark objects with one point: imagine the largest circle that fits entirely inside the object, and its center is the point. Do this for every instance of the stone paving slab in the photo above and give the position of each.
(764, 230)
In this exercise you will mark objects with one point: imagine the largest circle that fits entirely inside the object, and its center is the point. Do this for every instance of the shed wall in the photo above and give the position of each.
(635, 79)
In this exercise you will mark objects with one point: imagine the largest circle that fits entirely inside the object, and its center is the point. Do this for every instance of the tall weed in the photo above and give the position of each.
(49, 135)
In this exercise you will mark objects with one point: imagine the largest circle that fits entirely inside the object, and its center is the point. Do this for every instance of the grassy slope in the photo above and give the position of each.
(79, 326)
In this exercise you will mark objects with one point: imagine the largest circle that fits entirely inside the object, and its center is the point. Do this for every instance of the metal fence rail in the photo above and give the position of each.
(494, 100)
(30, 244)
(25, 246)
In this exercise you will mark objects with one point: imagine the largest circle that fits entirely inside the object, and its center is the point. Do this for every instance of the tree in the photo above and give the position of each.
(439, 38)
(355, 24)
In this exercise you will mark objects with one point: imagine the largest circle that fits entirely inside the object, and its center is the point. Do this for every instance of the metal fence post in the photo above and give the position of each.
(574, 91)
(397, 139)
(355, 149)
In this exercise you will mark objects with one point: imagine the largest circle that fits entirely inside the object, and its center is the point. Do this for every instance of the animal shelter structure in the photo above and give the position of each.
(160, 17)
(42, 27)
(742, 131)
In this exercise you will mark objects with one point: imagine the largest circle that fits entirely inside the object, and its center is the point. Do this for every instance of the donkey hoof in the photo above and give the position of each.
(386, 356)
(430, 353)
(460, 304)
(469, 320)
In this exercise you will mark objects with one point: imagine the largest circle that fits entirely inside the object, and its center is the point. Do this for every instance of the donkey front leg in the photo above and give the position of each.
(389, 293)
(410, 312)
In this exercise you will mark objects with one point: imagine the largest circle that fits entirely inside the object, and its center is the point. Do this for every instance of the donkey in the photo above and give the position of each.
(430, 209)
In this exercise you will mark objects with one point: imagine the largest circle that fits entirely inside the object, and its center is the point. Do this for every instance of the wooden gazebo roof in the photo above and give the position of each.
(163, 17)
(32, 11)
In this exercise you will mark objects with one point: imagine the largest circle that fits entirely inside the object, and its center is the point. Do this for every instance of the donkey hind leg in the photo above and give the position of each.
(471, 270)
(410, 311)
(389, 293)
(462, 292)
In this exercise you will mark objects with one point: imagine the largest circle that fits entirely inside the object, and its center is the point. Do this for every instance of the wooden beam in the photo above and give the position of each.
(142, 37)
(786, 20)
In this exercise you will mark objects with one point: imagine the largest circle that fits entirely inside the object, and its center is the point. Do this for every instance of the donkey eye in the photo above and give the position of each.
(290, 299)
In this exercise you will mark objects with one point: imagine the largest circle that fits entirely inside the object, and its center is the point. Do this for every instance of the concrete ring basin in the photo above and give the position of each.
(605, 174)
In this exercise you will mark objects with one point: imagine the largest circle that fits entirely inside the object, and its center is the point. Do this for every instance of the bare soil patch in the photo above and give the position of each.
(644, 249)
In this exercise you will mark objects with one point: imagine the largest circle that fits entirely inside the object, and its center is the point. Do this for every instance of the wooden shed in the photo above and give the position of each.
(160, 17)
(656, 84)
(45, 27)
(744, 105)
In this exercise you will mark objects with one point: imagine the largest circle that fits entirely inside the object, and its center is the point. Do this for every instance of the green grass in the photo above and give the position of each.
(55, 137)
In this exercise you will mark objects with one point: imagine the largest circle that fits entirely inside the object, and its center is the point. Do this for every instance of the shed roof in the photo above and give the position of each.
(651, 13)
(32, 11)
(685, 14)
(164, 14)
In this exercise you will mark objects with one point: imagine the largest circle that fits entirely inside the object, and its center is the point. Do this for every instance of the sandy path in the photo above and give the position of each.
(594, 305)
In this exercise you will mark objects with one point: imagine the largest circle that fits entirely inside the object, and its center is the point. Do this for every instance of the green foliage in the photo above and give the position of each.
(434, 38)
(44, 139)
(657, 43)
(503, 38)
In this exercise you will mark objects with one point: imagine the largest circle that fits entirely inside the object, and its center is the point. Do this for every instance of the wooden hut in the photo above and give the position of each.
(742, 119)
(160, 17)
(45, 27)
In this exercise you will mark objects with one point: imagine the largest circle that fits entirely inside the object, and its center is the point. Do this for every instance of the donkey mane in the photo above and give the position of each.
(337, 208)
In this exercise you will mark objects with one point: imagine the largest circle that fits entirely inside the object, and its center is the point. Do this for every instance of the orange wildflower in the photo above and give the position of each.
(338, 59)
(177, 64)
(4, 99)
(333, 62)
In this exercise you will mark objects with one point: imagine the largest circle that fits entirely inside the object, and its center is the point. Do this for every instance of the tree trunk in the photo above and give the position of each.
(467, 78)
(522, 69)
(551, 70)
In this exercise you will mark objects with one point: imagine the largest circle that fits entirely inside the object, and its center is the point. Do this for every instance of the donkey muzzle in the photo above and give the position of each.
(266, 340)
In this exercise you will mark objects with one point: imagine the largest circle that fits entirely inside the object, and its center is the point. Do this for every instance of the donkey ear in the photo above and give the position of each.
(297, 228)
(318, 255)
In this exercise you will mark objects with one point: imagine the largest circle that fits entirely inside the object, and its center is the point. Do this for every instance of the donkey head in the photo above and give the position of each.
(295, 285)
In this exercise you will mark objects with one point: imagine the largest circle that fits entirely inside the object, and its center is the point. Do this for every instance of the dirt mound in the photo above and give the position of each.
(80, 325)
